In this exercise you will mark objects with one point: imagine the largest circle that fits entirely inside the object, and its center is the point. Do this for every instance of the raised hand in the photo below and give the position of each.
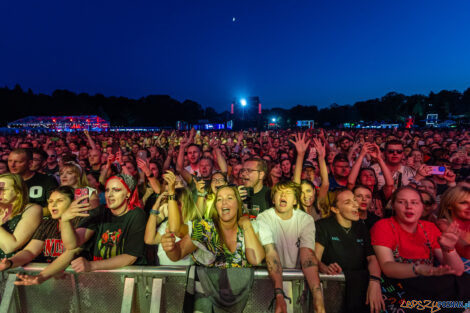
(449, 176)
(449, 237)
(170, 179)
(76, 209)
(320, 147)
(143, 166)
(300, 143)
(424, 170)
(200, 185)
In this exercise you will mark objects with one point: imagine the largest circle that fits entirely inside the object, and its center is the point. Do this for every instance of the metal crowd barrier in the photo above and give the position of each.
(144, 289)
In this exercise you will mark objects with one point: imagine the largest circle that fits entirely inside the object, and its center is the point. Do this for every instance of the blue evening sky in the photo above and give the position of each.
(285, 52)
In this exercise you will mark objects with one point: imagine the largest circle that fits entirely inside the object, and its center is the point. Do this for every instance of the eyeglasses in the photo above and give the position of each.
(249, 170)
(391, 151)
(52, 156)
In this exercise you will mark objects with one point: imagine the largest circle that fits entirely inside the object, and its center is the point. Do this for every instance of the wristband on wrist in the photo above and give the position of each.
(278, 291)
(10, 264)
(201, 194)
(154, 212)
(171, 197)
(375, 278)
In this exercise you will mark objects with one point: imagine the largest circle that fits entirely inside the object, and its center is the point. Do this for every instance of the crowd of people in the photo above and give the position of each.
(389, 209)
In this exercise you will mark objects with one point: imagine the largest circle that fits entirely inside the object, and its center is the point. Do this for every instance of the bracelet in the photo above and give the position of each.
(414, 270)
(375, 278)
(278, 291)
(201, 194)
(10, 264)
(171, 197)
(154, 212)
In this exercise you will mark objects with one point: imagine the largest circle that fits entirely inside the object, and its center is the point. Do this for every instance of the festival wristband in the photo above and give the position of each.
(154, 212)
(171, 197)
(373, 277)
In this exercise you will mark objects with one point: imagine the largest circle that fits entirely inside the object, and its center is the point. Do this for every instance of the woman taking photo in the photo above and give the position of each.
(118, 228)
(224, 243)
(408, 250)
(18, 218)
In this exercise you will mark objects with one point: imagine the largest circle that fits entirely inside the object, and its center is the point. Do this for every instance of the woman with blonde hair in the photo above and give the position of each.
(455, 207)
(71, 174)
(18, 218)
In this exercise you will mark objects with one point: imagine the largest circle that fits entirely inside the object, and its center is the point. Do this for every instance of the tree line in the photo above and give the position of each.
(162, 110)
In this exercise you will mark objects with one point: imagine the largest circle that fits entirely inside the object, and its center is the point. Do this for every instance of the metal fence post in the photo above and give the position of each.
(157, 287)
(128, 295)
(287, 286)
(8, 295)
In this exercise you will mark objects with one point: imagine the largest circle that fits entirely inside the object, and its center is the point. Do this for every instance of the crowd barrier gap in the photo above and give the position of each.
(145, 289)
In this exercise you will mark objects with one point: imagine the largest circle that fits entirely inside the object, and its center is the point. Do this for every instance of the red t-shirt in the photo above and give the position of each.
(410, 245)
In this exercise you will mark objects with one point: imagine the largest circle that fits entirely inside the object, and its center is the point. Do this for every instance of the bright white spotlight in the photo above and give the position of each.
(273, 119)
(243, 102)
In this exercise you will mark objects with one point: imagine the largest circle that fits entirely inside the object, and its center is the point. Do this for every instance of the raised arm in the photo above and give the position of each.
(156, 217)
(254, 251)
(389, 183)
(25, 229)
(301, 145)
(153, 181)
(325, 183)
(180, 161)
(357, 165)
(91, 142)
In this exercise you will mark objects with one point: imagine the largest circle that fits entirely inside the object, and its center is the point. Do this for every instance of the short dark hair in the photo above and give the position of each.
(262, 166)
(393, 142)
(27, 152)
(340, 157)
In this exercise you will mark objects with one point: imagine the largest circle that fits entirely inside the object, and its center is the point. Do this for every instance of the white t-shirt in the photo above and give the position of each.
(163, 258)
(288, 235)
(191, 171)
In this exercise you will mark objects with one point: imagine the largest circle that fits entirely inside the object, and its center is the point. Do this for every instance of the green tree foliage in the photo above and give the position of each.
(162, 110)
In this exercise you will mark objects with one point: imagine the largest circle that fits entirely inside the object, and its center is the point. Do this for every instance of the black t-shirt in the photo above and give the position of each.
(48, 231)
(262, 199)
(40, 186)
(370, 220)
(350, 250)
(115, 235)
(53, 171)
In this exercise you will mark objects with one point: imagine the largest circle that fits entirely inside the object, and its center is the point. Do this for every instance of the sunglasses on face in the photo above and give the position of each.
(394, 151)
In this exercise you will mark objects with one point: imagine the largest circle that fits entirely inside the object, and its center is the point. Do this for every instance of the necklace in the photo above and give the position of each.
(346, 229)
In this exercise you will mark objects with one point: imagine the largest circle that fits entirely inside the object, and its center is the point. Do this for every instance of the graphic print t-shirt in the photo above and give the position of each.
(48, 231)
(115, 235)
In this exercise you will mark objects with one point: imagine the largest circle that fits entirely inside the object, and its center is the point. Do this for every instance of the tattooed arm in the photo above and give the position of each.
(275, 272)
(309, 263)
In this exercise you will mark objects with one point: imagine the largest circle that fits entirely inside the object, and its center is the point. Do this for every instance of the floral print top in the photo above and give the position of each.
(211, 252)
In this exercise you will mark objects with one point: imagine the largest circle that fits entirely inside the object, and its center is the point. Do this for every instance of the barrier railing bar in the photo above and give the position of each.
(8, 295)
(260, 273)
(128, 295)
(157, 287)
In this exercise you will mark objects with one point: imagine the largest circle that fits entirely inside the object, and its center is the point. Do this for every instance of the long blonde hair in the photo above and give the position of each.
(449, 198)
(189, 210)
(21, 190)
